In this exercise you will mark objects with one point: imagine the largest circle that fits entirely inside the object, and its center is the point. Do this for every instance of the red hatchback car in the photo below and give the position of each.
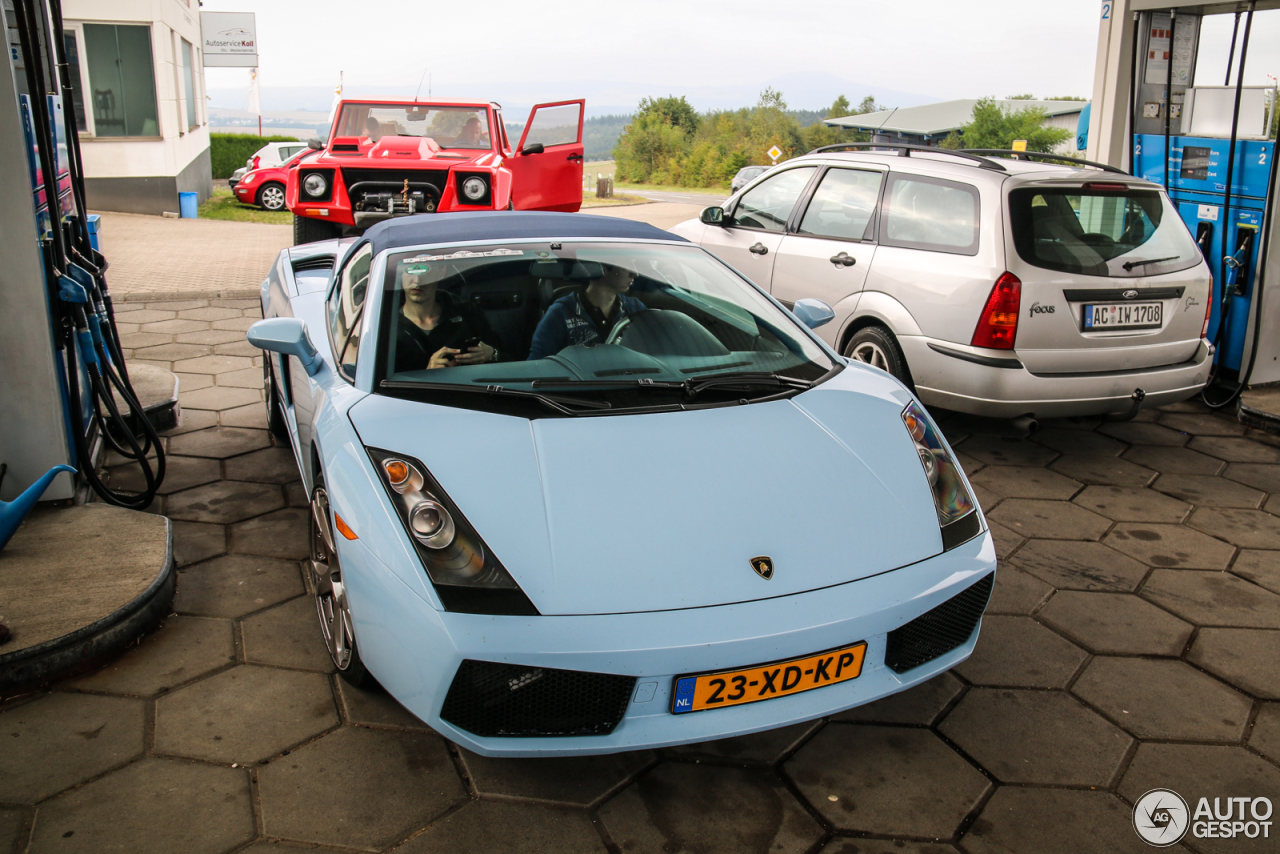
(265, 187)
(386, 159)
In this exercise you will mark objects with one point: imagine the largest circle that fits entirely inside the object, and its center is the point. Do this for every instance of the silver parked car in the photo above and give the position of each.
(994, 286)
(745, 176)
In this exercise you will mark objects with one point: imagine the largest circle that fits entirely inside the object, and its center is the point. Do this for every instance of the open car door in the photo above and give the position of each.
(546, 171)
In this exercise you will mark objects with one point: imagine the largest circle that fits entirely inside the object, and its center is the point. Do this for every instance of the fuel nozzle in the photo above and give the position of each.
(1239, 261)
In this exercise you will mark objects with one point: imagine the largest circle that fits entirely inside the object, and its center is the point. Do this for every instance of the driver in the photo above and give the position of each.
(373, 129)
(433, 331)
(471, 134)
(588, 315)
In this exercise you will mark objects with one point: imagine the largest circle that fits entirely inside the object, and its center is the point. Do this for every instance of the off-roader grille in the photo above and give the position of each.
(438, 177)
(940, 630)
(513, 700)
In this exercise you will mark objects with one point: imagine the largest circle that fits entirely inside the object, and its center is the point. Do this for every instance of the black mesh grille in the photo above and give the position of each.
(513, 700)
(939, 630)
(397, 176)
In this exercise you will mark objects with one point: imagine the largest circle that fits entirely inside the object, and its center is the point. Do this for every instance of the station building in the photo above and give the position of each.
(930, 124)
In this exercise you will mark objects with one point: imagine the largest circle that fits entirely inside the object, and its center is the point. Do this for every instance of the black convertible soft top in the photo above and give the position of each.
(506, 225)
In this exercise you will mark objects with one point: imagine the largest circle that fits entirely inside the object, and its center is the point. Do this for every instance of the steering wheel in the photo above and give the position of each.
(620, 327)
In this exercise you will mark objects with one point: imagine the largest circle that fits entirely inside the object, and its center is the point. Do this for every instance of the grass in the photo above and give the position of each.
(608, 167)
(589, 200)
(223, 204)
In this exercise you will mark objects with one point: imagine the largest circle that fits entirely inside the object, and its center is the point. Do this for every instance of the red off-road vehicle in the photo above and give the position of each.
(394, 158)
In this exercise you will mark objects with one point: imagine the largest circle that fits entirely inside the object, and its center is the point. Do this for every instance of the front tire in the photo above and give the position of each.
(327, 585)
(308, 230)
(876, 346)
(271, 196)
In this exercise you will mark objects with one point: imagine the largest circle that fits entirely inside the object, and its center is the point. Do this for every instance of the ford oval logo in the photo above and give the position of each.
(1130, 294)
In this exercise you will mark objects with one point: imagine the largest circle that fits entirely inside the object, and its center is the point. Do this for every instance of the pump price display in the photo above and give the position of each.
(1123, 315)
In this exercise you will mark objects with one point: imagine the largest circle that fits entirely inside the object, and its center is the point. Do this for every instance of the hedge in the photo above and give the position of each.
(229, 151)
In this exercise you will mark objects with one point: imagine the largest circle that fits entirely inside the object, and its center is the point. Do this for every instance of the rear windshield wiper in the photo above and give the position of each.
(563, 405)
(1129, 265)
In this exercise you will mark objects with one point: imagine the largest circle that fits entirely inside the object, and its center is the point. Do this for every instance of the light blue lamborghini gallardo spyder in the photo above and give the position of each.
(579, 487)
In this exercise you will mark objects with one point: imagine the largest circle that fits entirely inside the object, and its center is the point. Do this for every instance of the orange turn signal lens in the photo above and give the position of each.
(344, 528)
(397, 471)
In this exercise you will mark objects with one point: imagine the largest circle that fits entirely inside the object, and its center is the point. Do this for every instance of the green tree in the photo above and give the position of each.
(1067, 98)
(869, 105)
(647, 147)
(1026, 97)
(994, 127)
(677, 111)
(818, 135)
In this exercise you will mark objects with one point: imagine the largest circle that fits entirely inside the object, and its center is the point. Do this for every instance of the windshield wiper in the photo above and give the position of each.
(691, 387)
(563, 405)
(1129, 265)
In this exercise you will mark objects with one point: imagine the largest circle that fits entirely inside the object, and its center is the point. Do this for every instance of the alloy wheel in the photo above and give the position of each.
(326, 583)
(273, 198)
(870, 352)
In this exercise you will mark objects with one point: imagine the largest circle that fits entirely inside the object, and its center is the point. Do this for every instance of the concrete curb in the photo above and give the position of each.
(162, 296)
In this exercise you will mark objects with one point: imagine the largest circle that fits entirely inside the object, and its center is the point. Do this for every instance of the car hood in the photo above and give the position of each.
(660, 511)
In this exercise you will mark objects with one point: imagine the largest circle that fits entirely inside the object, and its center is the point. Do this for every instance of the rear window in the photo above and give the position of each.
(1114, 234)
(930, 214)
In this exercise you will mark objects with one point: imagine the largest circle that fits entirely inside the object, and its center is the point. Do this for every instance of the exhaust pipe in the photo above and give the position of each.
(1025, 423)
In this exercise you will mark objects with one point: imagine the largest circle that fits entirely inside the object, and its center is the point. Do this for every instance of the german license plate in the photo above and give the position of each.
(764, 682)
(1124, 315)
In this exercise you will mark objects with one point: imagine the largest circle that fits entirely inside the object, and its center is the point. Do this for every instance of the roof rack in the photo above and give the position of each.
(1038, 155)
(904, 149)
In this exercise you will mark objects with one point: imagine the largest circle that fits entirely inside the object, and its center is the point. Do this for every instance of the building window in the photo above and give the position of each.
(189, 83)
(122, 83)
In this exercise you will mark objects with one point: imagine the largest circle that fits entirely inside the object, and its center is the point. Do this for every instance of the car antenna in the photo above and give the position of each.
(425, 72)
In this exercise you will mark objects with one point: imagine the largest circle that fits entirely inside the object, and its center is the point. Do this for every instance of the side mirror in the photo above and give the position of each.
(712, 216)
(315, 143)
(287, 336)
(811, 312)
(533, 148)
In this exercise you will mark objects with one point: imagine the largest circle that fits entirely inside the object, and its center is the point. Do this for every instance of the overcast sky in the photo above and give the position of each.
(931, 49)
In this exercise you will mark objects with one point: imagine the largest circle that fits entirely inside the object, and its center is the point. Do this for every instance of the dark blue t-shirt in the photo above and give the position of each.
(570, 322)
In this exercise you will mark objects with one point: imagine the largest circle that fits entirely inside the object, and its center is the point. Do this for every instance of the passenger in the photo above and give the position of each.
(435, 332)
(373, 129)
(587, 315)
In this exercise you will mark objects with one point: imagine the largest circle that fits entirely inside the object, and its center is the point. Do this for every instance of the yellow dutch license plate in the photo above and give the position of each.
(780, 679)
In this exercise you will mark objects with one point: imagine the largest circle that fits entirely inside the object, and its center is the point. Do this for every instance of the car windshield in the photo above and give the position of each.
(617, 325)
(1118, 233)
(450, 127)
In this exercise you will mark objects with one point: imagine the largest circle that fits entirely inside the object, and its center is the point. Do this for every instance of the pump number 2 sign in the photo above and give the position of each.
(1125, 315)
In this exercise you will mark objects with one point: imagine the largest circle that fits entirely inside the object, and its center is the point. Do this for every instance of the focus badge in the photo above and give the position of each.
(763, 566)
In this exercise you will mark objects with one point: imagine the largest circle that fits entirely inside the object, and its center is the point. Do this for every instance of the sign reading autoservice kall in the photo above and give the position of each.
(230, 39)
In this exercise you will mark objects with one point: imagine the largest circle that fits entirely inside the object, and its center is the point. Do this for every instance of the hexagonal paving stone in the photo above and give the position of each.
(858, 845)
(213, 364)
(1079, 566)
(184, 649)
(191, 382)
(1007, 451)
(1213, 599)
(237, 348)
(219, 442)
(1173, 460)
(192, 420)
(234, 585)
(211, 337)
(252, 415)
(1116, 624)
(681, 807)
(1083, 442)
(1262, 568)
(142, 315)
(1036, 737)
(1169, 546)
(1259, 476)
(921, 704)
(1017, 592)
(374, 707)
(1018, 652)
(1265, 737)
(1140, 433)
(282, 534)
(170, 352)
(567, 781)
(887, 780)
(1200, 770)
(1027, 821)
(1132, 504)
(489, 827)
(1026, 482)
(359, 787)
(1006, 541)
(11, 822)
(1164, 699)
(135, 340)
(1236, 449)
(1214, 491)
(270, 465)
(224, 502)
(1248, 529)
(1273, 505)
(1112, 471)
(248, 378)
(1202, 425)
(209, 313)
(295, 494)
(197, 541)
(287, 635)
(179, 473)
(59, 740)
(760, 748)
(175, 326)
(245, 714)
(986, 498)
(155, 806)
(1246, 658)
(219, 398)
(1055, 520)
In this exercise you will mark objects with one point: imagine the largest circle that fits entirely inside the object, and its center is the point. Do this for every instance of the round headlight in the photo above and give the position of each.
(474, 188)
(431, 524)
(315, 184)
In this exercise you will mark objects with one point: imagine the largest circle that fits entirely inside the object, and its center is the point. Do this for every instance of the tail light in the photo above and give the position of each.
(1208, 307)
(256, 161)
(998, 326)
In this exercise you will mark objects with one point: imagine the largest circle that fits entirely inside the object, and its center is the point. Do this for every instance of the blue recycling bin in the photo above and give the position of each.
(95, 225)
(188, 205)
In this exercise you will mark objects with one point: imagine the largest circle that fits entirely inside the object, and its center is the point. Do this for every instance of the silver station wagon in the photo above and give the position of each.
(995, 283)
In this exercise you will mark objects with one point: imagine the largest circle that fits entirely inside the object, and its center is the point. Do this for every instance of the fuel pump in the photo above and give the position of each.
(1210, 146)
